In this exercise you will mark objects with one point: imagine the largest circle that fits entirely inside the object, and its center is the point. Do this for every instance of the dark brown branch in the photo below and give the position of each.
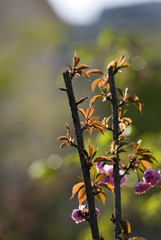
(84, 165)
(117, 229)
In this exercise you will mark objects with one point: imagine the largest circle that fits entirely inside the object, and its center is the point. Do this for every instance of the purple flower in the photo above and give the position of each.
(108, 169)
(77, 216)
(81, 214)
(152, 176)
(142, 187)
(97, 212)
(100, 166)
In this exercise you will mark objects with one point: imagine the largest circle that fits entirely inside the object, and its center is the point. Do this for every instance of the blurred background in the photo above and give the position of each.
(37, 40)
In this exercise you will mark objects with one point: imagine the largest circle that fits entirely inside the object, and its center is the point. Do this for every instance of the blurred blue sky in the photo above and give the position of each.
(82, 12)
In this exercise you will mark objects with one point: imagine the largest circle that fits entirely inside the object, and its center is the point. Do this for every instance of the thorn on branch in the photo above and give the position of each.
(81, 100)
(63, 89)
(113, 219)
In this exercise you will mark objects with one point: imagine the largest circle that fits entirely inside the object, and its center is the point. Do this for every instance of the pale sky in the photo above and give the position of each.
(82, 12)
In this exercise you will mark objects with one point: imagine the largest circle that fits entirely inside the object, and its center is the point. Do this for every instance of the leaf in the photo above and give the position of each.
(81, 110)
(98, 71)
(89, 112)
(82, 66)
(76, 59)
(126, 227)
(96, 123)
(144, 150)
(82, 195)
(95, 98)
(148, 156)
(76, 188)
(90, 150)
(101, 176)
(82, 100)
(100, 129)
(137, 238)
(108, 186)
(127, 120)
(94, 172)
(90, 130)
(120, 91)
(63, 138)
(68, 128)
(113, 146)
(63, 145)
(145, 164)
(94, 118)
(84, 74)
(103, 158)
(137, 145)
(95, 83)
(101, 196)
(121, 60)
(85, 152)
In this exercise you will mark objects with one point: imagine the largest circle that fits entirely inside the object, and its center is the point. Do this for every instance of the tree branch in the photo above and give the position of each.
(117, 229)
(84, 164)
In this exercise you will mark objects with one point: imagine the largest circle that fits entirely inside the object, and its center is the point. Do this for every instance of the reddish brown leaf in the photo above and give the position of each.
(120, 91)
(95, 98)
(101, 196)
(137, 145)
(90, 149)
(94, 118)
(84, 74)
(100, 176)
(89, 112)
(94, 172)
(137, 238)
(95, 83)
(76, 59)
(68, 128)
(108, 186)
(95, 123)
(82, 195)
(145, 164)
(82, 66)
(81, 110)
(76, 188)
(90, 130)
(95, 71)
(121, 60)
(63, 138)
(144, 150)
(100, 129)
(63, 145)
(103, 158)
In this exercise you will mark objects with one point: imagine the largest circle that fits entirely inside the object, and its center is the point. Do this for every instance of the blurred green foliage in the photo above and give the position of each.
(36, 177)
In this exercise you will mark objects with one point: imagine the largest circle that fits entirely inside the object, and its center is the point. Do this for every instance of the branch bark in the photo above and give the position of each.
(84, 165)
(117, 218)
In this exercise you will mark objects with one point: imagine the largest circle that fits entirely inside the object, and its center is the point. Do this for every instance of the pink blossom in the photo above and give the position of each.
(100, 166)
(77, 216)
(152, 176)
(81, 214)
(142, 187)
(108, 169)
